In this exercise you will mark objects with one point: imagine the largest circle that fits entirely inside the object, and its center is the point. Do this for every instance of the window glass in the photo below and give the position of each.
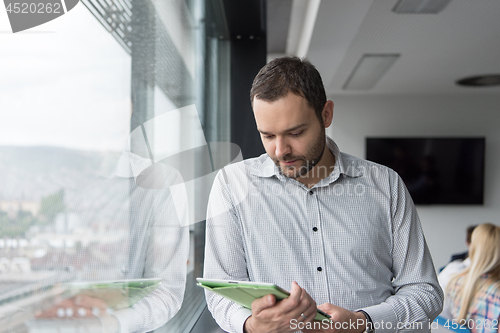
(108, 117)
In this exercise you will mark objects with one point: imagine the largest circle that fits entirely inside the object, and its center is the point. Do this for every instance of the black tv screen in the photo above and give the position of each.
(435, 170)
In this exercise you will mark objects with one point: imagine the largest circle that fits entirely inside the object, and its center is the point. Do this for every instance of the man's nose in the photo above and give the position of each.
(282, 148)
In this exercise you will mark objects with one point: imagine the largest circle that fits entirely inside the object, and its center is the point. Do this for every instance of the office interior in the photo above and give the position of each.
(75, 90)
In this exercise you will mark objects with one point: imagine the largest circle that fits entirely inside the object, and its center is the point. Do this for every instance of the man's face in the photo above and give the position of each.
(291, 133)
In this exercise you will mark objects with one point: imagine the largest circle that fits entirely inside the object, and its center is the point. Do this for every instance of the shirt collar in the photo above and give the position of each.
(129, 165)
(267, 168)
(342, 165)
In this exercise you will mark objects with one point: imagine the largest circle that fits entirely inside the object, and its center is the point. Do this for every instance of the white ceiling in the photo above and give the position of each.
(436, 49)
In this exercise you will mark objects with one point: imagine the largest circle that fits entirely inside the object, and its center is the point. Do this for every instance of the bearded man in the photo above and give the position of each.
(341, 231)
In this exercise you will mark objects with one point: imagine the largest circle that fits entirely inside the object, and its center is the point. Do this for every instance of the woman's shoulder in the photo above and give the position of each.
(492, 288)
(489, 295)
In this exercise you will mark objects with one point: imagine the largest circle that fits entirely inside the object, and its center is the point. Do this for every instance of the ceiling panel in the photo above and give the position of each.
(436, 49)
(278, 21)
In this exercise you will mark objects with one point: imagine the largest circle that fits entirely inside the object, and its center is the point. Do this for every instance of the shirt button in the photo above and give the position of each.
(315, 229)
(320, 269)
(311, 192)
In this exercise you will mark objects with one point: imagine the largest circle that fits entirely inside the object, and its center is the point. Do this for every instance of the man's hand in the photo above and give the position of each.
(343, 320)
(76, 307)
(79, 307)
(274, 317)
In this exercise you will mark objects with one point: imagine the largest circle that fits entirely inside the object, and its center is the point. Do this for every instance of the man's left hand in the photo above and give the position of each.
(343, 320)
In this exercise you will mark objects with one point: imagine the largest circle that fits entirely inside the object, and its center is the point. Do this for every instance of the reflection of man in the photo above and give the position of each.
(143, 235)
(344, 229)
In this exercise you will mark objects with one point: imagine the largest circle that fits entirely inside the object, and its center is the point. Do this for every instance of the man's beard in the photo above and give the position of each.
(308, 161)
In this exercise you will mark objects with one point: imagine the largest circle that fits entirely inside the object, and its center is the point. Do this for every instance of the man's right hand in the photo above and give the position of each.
(274, 317)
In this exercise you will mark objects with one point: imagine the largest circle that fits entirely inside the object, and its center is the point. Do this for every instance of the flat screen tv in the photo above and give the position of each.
(435, 170)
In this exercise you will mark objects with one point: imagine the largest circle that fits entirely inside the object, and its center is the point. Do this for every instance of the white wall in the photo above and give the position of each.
(356, 117)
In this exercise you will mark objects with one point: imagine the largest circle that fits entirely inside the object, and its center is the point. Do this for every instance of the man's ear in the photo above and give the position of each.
(327, 113)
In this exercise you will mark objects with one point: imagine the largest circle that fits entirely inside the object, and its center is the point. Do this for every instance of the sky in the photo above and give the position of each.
(65, 83)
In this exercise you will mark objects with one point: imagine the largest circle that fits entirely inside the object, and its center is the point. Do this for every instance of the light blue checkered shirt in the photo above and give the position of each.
(353, 240)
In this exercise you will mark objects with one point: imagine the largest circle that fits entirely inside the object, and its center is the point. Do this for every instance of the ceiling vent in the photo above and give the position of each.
(489, 80)
(369, 70)
(420, 6)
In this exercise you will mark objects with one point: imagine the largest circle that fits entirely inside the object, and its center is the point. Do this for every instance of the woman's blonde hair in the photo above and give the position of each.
(484, 253)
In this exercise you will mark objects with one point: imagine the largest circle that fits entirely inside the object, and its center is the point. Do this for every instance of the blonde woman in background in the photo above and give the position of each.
(473, 295)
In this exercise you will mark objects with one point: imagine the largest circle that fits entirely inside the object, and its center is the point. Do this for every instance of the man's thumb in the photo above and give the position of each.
(263, 303)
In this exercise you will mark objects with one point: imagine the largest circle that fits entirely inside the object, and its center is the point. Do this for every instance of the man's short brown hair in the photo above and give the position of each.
(470, 229)
(290, 74)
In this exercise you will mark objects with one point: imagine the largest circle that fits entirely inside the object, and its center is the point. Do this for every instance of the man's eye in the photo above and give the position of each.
(268, 136)
(296, 134)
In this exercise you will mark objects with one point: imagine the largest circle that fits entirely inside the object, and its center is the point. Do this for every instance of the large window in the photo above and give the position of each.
(109, 117)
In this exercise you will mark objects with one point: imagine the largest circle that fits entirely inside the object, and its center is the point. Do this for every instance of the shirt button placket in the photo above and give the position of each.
(318, 254)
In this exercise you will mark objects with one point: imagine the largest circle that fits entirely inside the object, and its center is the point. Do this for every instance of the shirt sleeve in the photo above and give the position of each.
(224, 254)
(164, 253)
(169, 248)
(417, 298)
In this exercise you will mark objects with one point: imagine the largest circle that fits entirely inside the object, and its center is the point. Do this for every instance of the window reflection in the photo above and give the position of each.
(104, 165)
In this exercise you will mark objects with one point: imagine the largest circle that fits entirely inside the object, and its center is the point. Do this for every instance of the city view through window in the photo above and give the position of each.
(105, 130)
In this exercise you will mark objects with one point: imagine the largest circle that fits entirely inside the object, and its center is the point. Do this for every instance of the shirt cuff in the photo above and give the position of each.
(110, 323)
(239, 318)
(382, 314)
(124, 318)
